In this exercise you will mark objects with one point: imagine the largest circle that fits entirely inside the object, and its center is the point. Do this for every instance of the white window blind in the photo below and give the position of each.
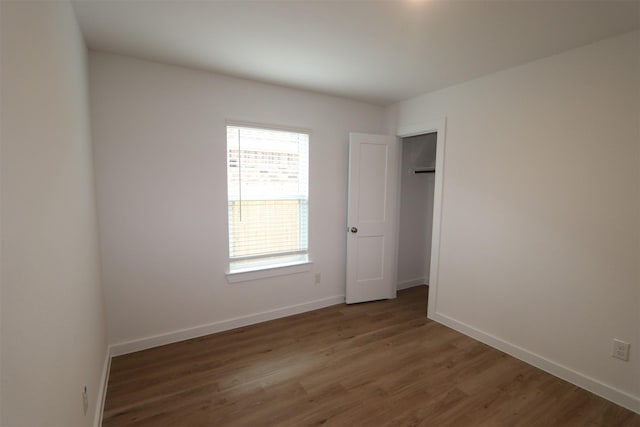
(268, 196)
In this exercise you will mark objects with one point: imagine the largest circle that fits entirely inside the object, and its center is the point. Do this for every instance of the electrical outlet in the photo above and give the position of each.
(317, 278)
(620, 350)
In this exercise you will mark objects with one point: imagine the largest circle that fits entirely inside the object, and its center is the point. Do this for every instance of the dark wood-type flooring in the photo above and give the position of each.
(373, 364)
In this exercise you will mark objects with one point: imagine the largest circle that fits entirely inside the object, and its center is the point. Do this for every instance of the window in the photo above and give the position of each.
(268, 197)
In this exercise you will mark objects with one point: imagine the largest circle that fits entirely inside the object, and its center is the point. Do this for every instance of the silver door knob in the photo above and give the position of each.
(354, 230)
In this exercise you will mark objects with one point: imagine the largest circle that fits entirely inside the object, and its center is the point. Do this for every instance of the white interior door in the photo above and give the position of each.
(371, 227)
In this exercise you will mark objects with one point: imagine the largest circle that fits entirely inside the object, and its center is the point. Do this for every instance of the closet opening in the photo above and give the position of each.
(415, 221)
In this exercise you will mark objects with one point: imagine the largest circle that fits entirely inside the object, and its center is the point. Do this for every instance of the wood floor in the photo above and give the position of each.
(374, 364)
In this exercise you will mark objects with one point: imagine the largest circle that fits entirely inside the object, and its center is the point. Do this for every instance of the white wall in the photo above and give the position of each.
(53, 326)
(541, 207)
(416, 210)
(159, 134)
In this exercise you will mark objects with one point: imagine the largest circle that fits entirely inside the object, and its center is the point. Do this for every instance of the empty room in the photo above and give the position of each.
(308, 212)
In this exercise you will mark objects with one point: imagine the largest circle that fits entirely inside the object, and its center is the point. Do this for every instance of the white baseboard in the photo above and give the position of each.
(102, 389)
(605, 391)
(406, 284)
(223, 325)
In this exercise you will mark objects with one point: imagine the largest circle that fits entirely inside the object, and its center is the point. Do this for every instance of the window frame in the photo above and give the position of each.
(289, 265)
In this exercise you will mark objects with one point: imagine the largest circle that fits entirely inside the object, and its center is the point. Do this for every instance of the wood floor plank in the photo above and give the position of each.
(375, 364)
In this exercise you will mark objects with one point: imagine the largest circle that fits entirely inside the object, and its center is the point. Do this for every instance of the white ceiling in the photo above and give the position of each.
(376, 51)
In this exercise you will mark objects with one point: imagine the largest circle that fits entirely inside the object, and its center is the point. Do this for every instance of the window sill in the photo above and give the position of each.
(257, 273)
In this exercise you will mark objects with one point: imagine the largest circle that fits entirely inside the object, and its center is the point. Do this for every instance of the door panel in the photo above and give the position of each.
(371, 201)
(370, 258)
(371, 218)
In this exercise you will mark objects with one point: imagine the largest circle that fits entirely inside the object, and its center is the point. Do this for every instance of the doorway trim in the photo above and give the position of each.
(438, 126)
